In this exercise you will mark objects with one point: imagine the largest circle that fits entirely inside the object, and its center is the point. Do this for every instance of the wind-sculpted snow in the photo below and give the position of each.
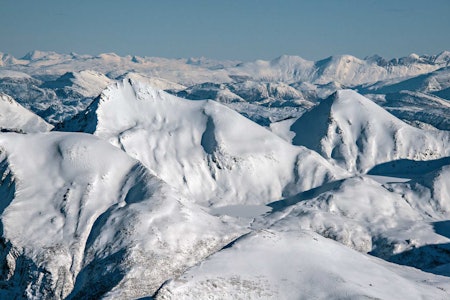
(356, 134)
(202, 147)
(81, 219)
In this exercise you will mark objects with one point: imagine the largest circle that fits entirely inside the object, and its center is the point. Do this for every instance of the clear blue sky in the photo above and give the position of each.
(227, 29)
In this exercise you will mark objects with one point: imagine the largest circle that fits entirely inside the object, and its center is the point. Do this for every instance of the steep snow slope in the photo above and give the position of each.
(430, 194)
(356, 134)
(279, 264)
(202, 147)
(14, 117)
(79, 218)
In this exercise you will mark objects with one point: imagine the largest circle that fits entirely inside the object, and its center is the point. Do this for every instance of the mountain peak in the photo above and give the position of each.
(37, 54)
(355, 133)
(288, 59)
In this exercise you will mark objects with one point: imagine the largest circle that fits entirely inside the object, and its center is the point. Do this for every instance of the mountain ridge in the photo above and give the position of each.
(357, 134)
(272, 179)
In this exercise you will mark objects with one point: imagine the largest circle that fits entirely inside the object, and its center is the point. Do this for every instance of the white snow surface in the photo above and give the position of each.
(14, 117)
(202, 147)
(355, 133)
(80, 218)
(155, 82)
(272, 264)
(87, 83)
(364, 215)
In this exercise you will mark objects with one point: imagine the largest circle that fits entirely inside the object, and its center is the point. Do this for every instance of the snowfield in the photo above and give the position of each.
(272, 264)
(152, 178)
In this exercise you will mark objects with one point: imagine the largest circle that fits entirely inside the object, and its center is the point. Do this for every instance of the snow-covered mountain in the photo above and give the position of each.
(83, 84)
(289, 82)
(353, 132)
(101, 223)
(201, 147)
(265, 180)
(344, 69)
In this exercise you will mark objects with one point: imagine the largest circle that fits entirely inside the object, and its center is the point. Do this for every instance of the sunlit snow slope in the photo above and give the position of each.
(356, 134)
(273, 264)
(14, 117)
(298, 188)
(80, 218)
(202, 147)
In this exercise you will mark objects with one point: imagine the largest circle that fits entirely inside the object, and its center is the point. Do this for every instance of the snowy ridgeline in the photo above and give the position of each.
(139, 193)
(58, 86)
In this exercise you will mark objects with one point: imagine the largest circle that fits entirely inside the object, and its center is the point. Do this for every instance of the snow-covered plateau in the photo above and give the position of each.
(154, 178)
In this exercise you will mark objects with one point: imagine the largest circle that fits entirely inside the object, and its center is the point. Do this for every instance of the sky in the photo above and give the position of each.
(228, 29)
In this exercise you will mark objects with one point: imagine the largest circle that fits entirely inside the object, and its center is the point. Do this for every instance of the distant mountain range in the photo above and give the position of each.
(57, 86)
(152, 178)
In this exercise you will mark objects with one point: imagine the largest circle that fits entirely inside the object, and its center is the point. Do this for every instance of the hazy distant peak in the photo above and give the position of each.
(109, 57)
(37, 54)
(443, 57)
(284, 59)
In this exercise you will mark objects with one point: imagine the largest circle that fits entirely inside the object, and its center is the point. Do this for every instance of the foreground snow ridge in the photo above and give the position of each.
(142, 194)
